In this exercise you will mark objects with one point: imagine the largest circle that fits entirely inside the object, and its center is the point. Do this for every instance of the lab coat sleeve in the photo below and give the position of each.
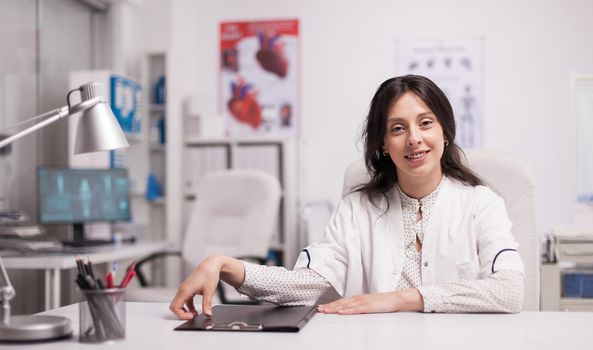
(329, 257)
(497, 247)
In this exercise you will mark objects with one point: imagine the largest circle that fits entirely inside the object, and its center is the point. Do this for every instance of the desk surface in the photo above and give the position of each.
(150, 326)
(99, 254)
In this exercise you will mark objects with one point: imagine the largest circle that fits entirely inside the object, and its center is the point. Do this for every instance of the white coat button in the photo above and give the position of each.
(425, 263)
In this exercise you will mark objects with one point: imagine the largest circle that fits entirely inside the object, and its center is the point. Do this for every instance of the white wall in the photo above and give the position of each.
(348, 50)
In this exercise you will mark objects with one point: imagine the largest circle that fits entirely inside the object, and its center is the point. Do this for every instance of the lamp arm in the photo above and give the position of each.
(34, 119)
(56, 115)
(6, 294)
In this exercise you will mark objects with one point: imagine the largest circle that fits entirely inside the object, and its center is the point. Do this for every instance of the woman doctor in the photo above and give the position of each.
(423, 234)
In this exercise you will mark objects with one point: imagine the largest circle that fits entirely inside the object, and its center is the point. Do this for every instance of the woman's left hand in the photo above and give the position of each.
(408, 299)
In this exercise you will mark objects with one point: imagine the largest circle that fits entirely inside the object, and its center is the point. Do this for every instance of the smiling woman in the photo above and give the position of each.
(409, 115)
(415, 143)
(424, 234)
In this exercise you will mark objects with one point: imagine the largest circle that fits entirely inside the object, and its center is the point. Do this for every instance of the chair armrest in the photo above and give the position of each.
(149, 259)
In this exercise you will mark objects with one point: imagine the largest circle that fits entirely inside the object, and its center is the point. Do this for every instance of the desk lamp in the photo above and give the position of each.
(98, 130)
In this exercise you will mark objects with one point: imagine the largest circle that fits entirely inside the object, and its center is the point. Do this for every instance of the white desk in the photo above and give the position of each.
(53, 263)
(150, 326)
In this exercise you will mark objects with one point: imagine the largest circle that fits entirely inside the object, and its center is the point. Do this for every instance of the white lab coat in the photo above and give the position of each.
(468, 236)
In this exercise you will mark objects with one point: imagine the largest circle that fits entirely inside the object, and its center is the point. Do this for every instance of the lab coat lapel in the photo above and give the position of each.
(389, 263)
(437, 237)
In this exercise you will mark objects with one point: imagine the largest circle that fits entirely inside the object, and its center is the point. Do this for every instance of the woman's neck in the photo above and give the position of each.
(419, 187)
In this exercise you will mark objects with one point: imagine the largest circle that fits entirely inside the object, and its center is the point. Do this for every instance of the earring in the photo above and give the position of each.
(446, 143)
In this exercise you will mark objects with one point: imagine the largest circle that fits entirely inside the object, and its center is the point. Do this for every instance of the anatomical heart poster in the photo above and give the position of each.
(260, 77)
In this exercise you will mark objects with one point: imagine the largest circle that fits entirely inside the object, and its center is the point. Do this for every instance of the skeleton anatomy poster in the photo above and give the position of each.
(260, 70)
(456, 66)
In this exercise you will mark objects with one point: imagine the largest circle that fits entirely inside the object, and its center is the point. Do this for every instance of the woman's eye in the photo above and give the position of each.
(396, 128)
(426, 122)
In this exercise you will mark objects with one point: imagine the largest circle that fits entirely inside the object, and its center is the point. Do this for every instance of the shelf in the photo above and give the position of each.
(159, 201)
(157, 148)
(135, 137)
(277, 246)
(190, 197)
(576, 301)
(157, 108)
(198, 140)
(576, 304)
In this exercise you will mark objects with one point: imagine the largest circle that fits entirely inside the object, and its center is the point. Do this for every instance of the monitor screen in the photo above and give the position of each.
(82, 195)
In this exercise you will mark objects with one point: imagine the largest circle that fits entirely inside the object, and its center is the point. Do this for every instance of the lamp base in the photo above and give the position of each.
(35, 328)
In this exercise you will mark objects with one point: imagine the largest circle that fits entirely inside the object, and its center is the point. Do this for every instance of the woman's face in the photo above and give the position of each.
(414, 139)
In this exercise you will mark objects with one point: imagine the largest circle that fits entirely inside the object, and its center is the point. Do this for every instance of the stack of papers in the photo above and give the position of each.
(27, 238)
(12, 231)
(32, 246)
(12, 216)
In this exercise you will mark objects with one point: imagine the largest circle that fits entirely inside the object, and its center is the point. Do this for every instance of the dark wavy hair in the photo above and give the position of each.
(382, 171)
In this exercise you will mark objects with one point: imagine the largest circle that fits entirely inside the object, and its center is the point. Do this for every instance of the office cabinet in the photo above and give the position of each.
(568, 257)
(155, 67)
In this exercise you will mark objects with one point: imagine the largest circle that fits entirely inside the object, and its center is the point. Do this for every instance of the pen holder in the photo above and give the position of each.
(102, 316)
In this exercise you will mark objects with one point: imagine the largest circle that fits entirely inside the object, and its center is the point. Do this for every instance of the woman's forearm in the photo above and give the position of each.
(203, 281)
(232, 271)
(409, 300)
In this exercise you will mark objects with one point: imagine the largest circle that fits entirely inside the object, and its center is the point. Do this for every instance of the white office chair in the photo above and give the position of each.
(511, 178)
(235, 214)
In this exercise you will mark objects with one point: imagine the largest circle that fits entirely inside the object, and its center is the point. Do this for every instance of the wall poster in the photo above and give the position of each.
(259, 84)
(456, 66)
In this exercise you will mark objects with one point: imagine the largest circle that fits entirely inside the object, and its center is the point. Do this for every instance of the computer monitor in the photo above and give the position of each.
(79, 196)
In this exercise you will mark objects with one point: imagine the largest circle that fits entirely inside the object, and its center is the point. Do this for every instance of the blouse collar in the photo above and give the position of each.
(408, 201)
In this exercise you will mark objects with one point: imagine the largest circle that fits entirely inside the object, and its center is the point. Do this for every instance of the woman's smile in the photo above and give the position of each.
(417, 157)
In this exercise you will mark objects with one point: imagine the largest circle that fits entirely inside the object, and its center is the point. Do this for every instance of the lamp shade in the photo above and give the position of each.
(98, 130)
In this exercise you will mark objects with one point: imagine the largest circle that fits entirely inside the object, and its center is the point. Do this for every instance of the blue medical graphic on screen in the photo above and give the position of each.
(83, 195)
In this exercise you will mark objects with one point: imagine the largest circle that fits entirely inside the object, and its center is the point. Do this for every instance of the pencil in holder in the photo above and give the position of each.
(102, 315)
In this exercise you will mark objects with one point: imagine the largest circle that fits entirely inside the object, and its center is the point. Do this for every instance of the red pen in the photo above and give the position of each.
(129, 275)
(109, 279)
(127, 279)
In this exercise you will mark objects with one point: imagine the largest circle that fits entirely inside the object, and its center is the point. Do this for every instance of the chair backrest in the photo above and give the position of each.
(511, 178)
(234, 214)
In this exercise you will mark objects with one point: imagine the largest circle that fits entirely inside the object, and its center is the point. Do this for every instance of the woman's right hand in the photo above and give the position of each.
(203, 281)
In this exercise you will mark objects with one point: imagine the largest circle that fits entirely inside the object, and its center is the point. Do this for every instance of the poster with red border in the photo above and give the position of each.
(260, 77)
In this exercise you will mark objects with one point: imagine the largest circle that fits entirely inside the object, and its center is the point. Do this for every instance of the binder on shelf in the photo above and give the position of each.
(252, 318)
(125, 102)
(260, 157)
(201, 161)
